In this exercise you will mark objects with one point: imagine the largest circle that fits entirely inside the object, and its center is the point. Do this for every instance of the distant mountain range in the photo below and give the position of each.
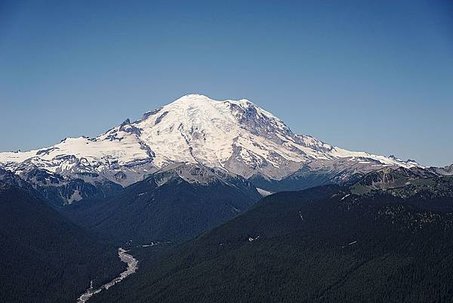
(236, 137)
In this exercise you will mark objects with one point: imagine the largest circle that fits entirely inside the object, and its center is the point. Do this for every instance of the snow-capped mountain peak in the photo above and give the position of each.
(233, 135)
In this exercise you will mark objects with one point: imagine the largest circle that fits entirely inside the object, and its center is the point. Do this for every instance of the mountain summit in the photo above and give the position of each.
(233, 135)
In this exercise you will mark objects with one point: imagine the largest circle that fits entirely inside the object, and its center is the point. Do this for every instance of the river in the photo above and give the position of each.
(132, 266)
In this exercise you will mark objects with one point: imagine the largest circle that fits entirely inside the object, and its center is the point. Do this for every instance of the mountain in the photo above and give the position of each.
(324, 244)
(60, 190)
(9, 179)
(236, 136)
(445, 171)
(174, 204)
(44, 257)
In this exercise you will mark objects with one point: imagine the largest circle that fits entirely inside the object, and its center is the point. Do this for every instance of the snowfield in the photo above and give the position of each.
(234, 135)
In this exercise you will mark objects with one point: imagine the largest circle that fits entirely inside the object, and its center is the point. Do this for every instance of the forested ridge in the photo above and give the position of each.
(319, 245)
(46, 258)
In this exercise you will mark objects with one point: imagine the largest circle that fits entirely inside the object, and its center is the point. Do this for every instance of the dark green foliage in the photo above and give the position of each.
(175, 211)
(300, 180)
(44, 257)
(318, 245)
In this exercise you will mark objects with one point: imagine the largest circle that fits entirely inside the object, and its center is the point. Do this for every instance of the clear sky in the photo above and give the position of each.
(364, 75)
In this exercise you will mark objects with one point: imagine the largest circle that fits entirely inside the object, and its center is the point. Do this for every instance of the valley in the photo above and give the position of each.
(132, 267)
(219, 201)
(323, 244)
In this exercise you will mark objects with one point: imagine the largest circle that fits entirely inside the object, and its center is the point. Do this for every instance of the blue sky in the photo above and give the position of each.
(363, 75)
